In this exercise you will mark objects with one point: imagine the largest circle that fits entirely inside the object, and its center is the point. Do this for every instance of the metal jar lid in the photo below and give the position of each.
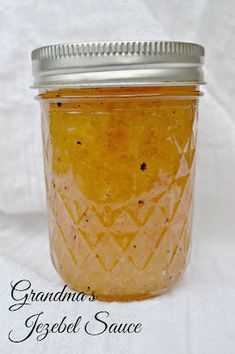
(118, 64)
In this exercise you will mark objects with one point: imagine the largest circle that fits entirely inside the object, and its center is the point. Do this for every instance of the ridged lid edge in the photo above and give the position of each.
(118, 48)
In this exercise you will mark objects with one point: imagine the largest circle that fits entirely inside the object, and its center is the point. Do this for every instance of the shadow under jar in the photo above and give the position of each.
(119, 124)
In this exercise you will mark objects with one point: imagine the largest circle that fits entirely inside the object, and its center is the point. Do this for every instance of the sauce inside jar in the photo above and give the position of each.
(119, 167)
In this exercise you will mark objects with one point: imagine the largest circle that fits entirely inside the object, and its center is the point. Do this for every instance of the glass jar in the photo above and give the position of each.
(119, 124)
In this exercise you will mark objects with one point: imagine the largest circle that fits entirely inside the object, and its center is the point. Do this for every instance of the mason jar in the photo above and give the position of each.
(119, 125)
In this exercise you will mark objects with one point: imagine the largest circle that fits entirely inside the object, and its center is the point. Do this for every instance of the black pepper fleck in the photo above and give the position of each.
(173, 112)
(75, 237)
(143, 166)
(134, 246)
(59, 104)
(88, 288)
(79, 143)
(140, 202)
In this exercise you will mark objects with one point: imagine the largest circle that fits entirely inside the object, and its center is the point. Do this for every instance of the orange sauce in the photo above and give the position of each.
(119, 168)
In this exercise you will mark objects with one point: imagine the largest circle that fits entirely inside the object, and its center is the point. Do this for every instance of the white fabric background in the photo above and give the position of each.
(197, 317)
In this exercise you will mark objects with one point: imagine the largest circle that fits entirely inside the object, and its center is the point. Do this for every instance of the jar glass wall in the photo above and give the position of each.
(119, 168)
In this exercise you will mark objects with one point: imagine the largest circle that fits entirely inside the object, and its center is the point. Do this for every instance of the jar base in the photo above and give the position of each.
(125, 298)
(120, 298)
(128, 298)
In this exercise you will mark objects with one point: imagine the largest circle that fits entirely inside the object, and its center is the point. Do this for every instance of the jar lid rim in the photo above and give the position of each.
(117, 63)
